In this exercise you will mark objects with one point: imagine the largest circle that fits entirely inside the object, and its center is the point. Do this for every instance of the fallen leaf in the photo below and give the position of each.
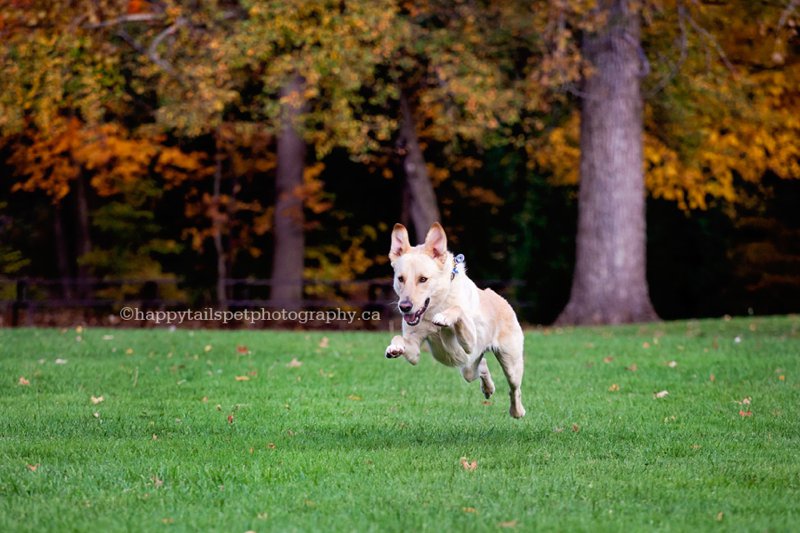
(108, 337)
(97, 399)
(242, 378)
(230, 418)
(96, 415)
(613, 388)
(23, 381)
(737, 339)
(575, 428)
(469, 509)
(155, 437)
(632, 368)
(355, 397)
(509, 524)
(743, 413)
(608, 359)
(672, 364)
(781, 378)
(157, 482)
(720, 516)
(487, 402)
(712, 378)
(60, 361)
(168, 520)
(242, 349)
(271, 445)
(33, 468)
(128, 351)
(294, 363)
(205, 399)
(79, 330)
(661, 394)
(645, 345)
(558, 429)
(207, 348)
(469, 466)
(324, 342)
(746, 400)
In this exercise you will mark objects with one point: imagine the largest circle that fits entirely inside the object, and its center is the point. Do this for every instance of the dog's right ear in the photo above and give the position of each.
(400, 244)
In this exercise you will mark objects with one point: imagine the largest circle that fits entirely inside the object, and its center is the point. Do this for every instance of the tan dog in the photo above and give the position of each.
(442, 305)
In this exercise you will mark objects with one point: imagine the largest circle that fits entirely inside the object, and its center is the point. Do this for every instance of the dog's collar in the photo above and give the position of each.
(457, 259)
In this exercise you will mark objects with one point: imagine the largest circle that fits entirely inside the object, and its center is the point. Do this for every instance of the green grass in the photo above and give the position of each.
(350, 441)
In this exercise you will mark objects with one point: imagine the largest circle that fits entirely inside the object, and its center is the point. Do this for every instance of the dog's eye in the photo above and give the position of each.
(423, 279)
(401, 279)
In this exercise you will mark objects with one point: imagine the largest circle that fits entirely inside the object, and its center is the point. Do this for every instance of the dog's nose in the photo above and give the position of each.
(405, 306)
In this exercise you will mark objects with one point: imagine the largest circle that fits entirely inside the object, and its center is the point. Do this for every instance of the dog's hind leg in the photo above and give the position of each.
(487, 385)
(510, 356)
(479, 369)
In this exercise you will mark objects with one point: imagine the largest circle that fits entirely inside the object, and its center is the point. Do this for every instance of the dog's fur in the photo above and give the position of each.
(442, 305)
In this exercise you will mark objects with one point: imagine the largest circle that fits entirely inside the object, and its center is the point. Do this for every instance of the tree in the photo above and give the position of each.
(609, 284)
(289, 250)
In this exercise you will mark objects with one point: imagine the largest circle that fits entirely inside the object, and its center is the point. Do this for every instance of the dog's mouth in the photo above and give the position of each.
(412, 319)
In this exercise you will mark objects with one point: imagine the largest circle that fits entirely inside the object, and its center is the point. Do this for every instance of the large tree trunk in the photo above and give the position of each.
(419, 193)
(287, 261)
(609, 285)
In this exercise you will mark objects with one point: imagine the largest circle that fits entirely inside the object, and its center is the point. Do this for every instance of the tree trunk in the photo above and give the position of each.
(609, 284)
(219, 248)
(62, 256)
(84, 244)
(419, 193)
(289, 250)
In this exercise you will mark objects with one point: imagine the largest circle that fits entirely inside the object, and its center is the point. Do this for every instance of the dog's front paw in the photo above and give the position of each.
(442, 320)
(394, 350)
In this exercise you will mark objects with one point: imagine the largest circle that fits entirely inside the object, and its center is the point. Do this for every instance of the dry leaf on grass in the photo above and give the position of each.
(242, 378)
(613, 388)
(97, 399)
(469, 509)
(324, 342)
(23, 381)
(355, 397)
(230, 418)
(661, 394)
(244, 350)
(509, 524)
(467, 465)
(33, 468)
(294, 363)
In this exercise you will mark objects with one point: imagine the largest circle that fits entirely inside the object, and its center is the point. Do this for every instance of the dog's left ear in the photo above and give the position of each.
(436, 243)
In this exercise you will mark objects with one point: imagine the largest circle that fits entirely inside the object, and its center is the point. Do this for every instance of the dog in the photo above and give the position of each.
(461, 322)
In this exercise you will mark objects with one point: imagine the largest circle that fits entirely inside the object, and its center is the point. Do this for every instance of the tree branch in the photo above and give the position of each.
(134, 17)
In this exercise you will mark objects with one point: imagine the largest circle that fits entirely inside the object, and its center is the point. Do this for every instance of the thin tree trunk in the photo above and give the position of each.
(222, 267)
(422, 207)
(609, 284)
(84, 244)
(62, 256)
(289, 250)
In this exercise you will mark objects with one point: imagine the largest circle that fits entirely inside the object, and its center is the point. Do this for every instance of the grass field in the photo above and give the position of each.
(151, 430)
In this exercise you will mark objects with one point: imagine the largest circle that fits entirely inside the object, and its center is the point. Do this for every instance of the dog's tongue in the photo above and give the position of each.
(409, 317)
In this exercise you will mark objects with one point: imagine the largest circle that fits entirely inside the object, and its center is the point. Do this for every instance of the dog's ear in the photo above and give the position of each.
(436, 243)
(400, 244)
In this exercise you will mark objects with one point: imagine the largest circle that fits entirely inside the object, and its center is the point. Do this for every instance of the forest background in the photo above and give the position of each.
(200, 143)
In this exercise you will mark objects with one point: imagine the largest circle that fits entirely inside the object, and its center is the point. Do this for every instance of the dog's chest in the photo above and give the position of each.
(445, 348)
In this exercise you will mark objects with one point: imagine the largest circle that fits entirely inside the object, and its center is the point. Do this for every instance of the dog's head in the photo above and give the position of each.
(421, 275)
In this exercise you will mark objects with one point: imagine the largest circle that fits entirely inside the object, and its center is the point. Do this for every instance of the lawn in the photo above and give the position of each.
(158, 430)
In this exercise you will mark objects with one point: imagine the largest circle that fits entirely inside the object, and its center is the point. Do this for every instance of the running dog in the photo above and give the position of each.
(461, 322)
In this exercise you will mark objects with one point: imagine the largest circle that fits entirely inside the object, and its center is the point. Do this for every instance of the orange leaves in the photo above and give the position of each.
(113, 159)
(22, 381)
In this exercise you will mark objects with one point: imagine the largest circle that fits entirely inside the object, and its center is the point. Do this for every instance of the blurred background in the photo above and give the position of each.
(239, 153)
